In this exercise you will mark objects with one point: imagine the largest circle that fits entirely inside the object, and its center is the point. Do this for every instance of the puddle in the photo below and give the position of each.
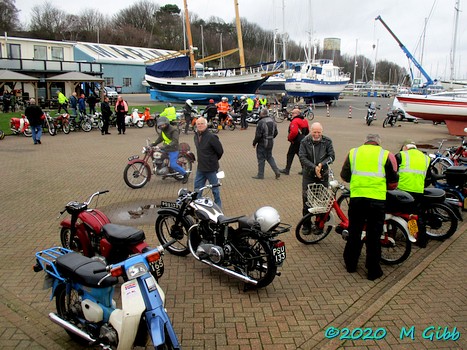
(132, 213)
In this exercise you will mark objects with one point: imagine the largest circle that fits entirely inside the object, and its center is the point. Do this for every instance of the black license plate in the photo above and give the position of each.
(133, 157)
(165, 204)
(279, 253)
(157, 267)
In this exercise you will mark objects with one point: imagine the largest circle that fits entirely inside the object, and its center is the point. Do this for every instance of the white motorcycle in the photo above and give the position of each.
(135, 119)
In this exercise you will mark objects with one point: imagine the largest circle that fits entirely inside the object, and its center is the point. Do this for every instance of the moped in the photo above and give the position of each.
(20, 126)
(134, 119)
(84, 288)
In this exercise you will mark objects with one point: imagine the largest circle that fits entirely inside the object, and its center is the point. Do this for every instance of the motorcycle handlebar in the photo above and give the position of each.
(95, 194)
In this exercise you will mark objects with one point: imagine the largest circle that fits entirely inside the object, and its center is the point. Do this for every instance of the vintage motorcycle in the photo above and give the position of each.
(20, 126)
(2, 135)
(155, 161)
(245, 248)
(89, 232)
(134, 119)
(84, 288)
(253, 117)
(371, 112)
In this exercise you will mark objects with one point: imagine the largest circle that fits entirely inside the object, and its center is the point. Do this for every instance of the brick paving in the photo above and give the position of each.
(210, 310)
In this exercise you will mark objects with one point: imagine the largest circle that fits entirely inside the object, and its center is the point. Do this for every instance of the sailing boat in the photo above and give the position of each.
(179, 78)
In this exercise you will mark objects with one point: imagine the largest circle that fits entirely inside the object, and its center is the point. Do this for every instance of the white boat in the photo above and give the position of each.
(317, 81)
(449, 107)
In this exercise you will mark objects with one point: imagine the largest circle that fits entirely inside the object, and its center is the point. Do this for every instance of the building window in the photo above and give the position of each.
(40, 52)
(14, 51)
(57, 53)
(109, 81)
(126, 81)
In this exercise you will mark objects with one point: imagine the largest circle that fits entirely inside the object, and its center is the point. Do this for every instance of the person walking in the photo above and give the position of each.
(74, 104)
(188, 109)
(169, 136)
(170, 112)
(223, 109)
(62, 102)
(266, 131)
(413, 172)
(92, 100)
(82, 106)
(298, 129)
(106, 113)
(121, 108)
(371, 171)
(35, 117)
(316, 152)
(209, 151)
(243, 113)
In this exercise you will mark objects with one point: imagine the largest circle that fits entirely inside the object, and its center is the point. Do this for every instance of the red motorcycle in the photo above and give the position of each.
(20, 126)
(156, 161)
(89, 232)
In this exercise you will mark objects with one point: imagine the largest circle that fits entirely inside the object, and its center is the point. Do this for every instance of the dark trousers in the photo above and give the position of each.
(243, 122)
(365, 214)
(121, 122)
(419, 209)
(105, 124)
(264, 155)
(64, 106)
(293, 150)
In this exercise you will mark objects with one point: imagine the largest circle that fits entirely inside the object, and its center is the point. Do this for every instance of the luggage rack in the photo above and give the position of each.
(46, 260)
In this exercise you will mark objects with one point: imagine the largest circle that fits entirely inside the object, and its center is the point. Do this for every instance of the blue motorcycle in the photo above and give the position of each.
(84, 287)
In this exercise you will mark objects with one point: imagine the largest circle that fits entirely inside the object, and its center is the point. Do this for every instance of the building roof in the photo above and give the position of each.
(75, 76)
(8, 75)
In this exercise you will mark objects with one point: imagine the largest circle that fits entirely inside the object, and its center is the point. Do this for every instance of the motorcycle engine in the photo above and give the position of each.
(215, 253)
(109, 333)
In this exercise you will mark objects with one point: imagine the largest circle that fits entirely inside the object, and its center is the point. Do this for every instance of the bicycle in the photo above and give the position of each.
(397, 234)
(309, 113)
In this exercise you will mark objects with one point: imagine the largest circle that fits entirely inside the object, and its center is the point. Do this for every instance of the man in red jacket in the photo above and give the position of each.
(298, 129)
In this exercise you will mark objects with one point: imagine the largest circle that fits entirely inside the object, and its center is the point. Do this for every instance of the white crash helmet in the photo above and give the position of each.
(243, 98)
(225, 99)
(189, 103)
(268, 218)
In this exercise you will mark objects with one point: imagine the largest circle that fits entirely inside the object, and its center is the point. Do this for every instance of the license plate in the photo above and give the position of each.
(133, 157)
(157, 267)
(413, 227)
(279, 254)
(165, 204)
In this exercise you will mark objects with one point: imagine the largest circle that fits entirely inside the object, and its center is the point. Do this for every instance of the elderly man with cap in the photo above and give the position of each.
(298, 129)
(413, 178)
(266, 131)
(371, 171)
(169, 137)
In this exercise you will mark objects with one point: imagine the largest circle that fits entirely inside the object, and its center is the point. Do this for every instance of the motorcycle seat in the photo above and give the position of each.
(122, 235)
(434, 195)
(228, 220)
(80, 268)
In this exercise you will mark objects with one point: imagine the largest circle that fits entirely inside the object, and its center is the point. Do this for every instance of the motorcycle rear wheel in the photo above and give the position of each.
(316, 234)
(86, 126)
(140, 123)
(150, 122)
(65, 307)
(166, 231)
(66, 126)
(398, 246)
(441, 221)
(215, 127)
(258, 261)
(136, 175)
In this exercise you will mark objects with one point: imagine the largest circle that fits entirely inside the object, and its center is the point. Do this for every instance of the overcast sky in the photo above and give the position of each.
(352, 21)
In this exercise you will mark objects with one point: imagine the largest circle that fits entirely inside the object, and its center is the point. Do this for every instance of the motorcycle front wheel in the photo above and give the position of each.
(166, 231)
(441, 221)
(27, 132)
(315, 234)
(66, 126)
(67, 242)
(386, 122)
(86, 126)
(215, 127)
(368, 121)
(258, 262)
(150, 122)
(396, 246)
(51, 129)
(136, 174)
(140, 123)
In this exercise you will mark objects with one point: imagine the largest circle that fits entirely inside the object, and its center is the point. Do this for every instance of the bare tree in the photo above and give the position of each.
(8, 16)
(49, 22)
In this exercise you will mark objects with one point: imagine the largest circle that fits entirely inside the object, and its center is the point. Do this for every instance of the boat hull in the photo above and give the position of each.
(316, 90)
(204, 88)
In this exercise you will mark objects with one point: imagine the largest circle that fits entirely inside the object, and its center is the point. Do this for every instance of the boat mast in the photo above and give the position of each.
(454, 40)
(239, 37)
(190, 39)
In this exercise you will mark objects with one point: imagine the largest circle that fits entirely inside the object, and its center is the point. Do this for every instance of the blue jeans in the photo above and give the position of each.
(173, 156)
(200, 181)
(36, 133)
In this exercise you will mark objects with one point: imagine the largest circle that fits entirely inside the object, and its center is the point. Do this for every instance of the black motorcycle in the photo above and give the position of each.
(242, 247)
(371, 112)
(392, 117)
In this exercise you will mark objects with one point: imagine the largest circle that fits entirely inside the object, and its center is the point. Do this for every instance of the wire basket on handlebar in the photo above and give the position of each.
(319, 198)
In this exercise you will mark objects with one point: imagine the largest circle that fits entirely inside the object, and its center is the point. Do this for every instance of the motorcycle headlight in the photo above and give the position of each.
(157, 155)
(136, 270)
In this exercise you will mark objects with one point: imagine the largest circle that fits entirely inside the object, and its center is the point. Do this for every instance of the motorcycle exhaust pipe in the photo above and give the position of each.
(69, 327)
(245, 279)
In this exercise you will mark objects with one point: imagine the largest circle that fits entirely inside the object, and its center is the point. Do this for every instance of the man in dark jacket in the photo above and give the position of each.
(209, 151)
(34, 114)
(298, 129)
(169, 137)
(210, 111)
(106, 113)
(371, 171)
(316, 153)
(266, 131)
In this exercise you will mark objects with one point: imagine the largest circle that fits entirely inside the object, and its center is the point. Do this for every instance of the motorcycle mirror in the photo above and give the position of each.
(220, 175)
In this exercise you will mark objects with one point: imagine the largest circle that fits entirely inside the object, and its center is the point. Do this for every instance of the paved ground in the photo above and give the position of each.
(210, 310)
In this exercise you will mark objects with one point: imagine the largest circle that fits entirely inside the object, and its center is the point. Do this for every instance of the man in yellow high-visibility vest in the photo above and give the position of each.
(413, 178)
(371, 171)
